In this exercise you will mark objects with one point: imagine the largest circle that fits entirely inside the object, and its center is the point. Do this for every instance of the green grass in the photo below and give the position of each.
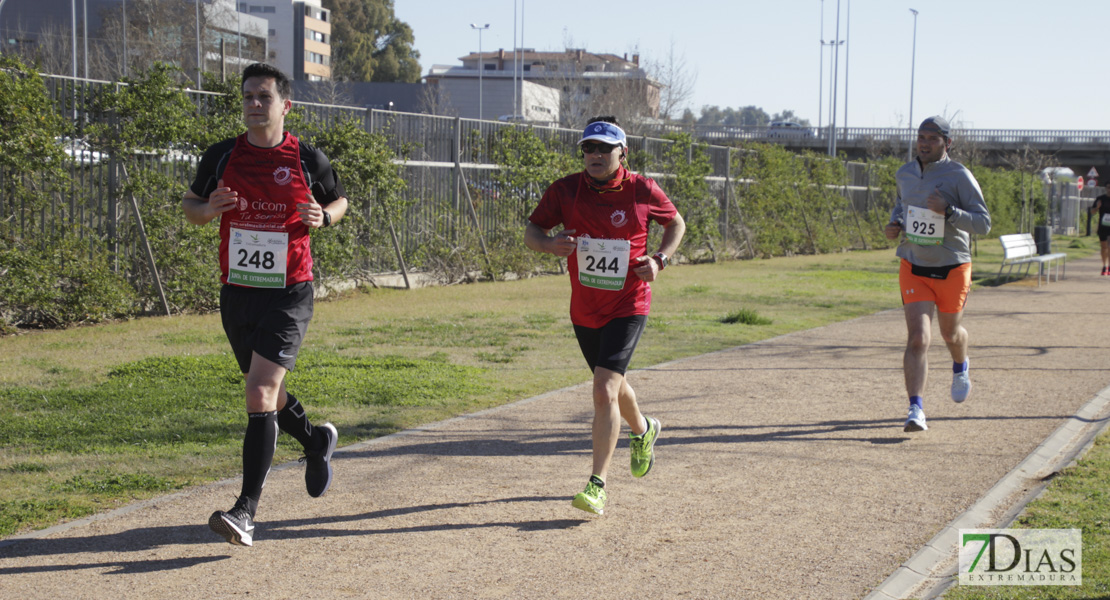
(747, 317)
(1076, 499)
(96, 417)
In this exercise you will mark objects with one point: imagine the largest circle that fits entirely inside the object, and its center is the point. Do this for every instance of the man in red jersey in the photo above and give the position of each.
(605, 211)
(267, 188)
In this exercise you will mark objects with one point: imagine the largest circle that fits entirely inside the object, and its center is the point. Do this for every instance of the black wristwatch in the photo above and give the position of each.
(948, 210)
(327, 218)
(662, 259)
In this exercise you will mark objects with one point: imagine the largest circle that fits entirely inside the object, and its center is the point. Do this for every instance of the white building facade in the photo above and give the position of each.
(299, 36)
(550, 86)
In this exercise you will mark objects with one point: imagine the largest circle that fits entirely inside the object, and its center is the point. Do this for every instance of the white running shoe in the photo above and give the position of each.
(236, 526)
(916, 420)
(961, 384)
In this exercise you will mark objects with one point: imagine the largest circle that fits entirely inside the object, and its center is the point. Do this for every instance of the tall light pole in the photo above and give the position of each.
(847, 53)
(73, 30)
(830, 43)
(198, 43)
(836, 74)
(913, 65)
(821, 68)
(85, 33)
(481, 65)
(514, 60)
(124, 38)
(521, 57)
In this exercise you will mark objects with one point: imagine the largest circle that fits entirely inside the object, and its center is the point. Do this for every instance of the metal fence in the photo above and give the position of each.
(436, 154)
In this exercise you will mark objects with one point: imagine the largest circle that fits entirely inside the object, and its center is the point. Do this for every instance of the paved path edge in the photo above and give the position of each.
(141, 504)
(932, 570)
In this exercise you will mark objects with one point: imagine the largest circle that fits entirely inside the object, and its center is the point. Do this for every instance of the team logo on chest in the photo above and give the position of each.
(243, 204)
(283, 175)
(618, 218)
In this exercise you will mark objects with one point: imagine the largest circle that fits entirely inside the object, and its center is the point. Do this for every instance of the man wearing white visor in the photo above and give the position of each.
(605, 212)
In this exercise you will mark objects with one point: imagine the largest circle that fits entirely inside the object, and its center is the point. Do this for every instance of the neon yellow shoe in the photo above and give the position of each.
(592, 500)
(642, 447)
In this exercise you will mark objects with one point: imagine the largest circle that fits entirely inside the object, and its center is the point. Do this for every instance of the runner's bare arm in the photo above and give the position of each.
(646, 268)
(312, 213)
(672, 235)
(536, 238)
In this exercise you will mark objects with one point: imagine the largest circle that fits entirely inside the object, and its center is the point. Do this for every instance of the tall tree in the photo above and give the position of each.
(788, 115)
(750, 116)
(678, 81)
(369, 43)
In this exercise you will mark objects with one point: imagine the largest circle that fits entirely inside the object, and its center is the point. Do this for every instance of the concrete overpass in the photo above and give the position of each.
(1077, 149)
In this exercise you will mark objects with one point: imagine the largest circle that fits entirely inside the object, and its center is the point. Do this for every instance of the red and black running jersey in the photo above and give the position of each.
(270, 183)
(621, 209)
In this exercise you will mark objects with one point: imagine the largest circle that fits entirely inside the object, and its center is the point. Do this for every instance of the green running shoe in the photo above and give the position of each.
(643, 455)
(592, 500)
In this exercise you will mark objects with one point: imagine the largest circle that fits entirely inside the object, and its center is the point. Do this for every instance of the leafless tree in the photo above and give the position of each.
(677, 79)
(155, 31)
(877, 147)
(629, 95)
(1029, 162)
(333, 92)
(52, 51)
(434, 100)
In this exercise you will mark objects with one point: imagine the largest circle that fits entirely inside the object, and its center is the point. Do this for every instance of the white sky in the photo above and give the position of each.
(1017, 64)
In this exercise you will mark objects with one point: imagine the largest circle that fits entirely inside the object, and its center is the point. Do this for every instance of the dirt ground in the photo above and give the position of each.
(782, 472)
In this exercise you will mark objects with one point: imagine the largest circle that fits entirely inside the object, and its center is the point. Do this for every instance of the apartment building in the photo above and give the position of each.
(585, 83)
(299, 36)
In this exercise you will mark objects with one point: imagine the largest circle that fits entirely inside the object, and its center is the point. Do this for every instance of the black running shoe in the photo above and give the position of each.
(318, 472)
(235, 525)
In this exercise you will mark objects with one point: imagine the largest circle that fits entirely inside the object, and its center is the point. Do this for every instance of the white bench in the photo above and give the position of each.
(1020, 249)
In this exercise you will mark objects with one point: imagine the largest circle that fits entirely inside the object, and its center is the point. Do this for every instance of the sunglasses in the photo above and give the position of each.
(591, 147)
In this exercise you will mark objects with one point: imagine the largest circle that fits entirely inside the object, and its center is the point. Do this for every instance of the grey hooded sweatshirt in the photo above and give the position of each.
(959, 188)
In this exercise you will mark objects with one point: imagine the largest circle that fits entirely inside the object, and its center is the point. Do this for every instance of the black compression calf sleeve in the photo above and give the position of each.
(293, 420)
(259, 444)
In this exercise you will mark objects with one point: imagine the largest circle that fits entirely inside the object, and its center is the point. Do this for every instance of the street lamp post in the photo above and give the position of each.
(199, 62)
(85, 33)
(481, 66)
(514, 60)
(73, 30)
(913, 64)
(830, 43)
(124, 28)
(835, 74)
(847, 61)
(821, 68)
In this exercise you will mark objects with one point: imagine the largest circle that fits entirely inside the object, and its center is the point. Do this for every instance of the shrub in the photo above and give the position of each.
(64, 282)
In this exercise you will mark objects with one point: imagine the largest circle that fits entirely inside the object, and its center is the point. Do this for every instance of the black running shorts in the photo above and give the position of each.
(271, 322)
(611, 346)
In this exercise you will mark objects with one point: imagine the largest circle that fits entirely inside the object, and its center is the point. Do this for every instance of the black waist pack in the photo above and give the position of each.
(932, 272)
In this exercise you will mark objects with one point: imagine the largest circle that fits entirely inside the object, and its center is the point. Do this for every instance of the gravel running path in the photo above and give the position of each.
(782, 472)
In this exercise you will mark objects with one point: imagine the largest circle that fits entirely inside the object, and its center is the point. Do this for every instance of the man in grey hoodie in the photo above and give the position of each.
(939, 206)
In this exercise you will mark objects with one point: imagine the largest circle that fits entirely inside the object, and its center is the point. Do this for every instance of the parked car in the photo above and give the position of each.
(79, 150)
(175, 153)
(789, 129)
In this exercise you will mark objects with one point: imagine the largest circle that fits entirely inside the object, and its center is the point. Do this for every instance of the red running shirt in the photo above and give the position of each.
(270, 184)
(621, 209)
